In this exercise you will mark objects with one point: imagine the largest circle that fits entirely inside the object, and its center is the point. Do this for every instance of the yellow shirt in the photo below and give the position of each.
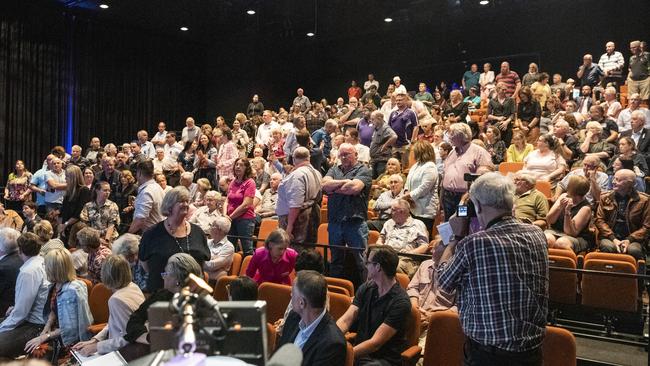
(541, 93)
(514, 156)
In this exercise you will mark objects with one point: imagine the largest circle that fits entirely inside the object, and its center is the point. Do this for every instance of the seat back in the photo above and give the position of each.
(244, 265)
(277, 299)
(413, 327)
(562, 286)
(445, 339)
(349, 355)
(89, 284)
(510, 167)
(341, 282)
(339, 304)
(236, 264)
(338, 290)
(323, 238)
(559, 347)
(323, 215)
(610, 293)
(563, 253)
(266, 227)
(98, 303)
(403, 280)
(220, 291)
(373, 236)
(611, 256)
(545, 188)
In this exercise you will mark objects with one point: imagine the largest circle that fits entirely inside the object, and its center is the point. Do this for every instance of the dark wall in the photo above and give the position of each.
(554, 34)
(59, 70)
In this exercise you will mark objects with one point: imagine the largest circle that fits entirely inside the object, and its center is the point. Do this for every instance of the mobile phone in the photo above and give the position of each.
(462, 211)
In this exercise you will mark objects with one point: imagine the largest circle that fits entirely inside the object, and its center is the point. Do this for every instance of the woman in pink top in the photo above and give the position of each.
(227, 154)
(239, 205)
(275, 261)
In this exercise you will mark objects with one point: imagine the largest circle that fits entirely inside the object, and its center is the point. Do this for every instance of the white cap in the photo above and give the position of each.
(396, 78)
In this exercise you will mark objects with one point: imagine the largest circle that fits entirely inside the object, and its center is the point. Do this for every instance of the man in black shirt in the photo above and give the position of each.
(379, 312)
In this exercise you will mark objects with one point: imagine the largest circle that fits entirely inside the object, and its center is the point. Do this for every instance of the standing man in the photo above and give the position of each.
(509, 78)
(403, 122)
(110, 174)
(302, 101)
(503, 310)
(158, 139)
(146, 147)
(264, 130)
(638, 79)
(190, 131)
(95, 147)
(309, 326)
(299, 196)
(347, 186)
(501, 112)
(170, 165)
(589, 73)
(383, 139)
(370, 82)
(470, 78)
(147, 203)
(612, 62)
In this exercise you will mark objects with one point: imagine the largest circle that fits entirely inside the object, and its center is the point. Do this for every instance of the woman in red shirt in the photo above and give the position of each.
(239, 205)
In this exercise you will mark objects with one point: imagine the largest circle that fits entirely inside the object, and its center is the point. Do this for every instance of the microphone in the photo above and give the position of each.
(287, 355)
(204, 291)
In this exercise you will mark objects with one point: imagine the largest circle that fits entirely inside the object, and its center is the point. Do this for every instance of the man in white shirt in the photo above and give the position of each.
(147, 203)
(625, 116)
(56, 186)
(158, 139)
(363, 151)
(170, 164)
(190, 131)
(146, 147)
(25, 320)
(371, 81)
(399, 87)
(264, 130)
(612, 62)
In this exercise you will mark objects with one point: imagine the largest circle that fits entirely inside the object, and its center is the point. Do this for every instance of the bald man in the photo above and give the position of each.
(624, 231)
(612, 62)
(589, 73)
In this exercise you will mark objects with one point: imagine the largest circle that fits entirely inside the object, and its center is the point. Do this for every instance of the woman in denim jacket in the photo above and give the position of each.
(67, 311)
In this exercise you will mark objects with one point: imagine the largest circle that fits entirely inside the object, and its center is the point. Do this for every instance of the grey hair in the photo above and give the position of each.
(177, 194)
(529, 178)
(398, 176)
(638, 114)
(331, 123)
(301, 154)
(221, 223)
(594, 124)
(212, 194)
(493, 190)
(187, 175)
(8, 240)
(402, 203)
(180, 265)
(460, 128)
(126, 245)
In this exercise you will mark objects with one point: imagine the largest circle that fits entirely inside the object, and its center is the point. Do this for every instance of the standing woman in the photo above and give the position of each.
(239, 204)
(101, 213)
(529, 113)
(422, 184)
(89, 178)
(486, 80)
(186, 157)
(66, 308)
(240, 137)
(203, 161)
(227, 154)
(76, 196)
(170, 236)
(17, 189)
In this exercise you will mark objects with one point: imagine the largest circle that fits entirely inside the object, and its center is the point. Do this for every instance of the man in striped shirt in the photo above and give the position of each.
(612, 62)
(501, 278)
(509, 78)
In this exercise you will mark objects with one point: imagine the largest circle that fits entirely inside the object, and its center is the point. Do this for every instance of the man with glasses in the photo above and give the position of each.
(378, 311)
(597, 179)
(638, 78)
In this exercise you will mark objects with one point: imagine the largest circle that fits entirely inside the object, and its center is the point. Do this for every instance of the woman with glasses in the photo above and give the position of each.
(101, 213)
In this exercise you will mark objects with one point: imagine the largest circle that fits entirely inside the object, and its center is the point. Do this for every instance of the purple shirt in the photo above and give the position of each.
(403, 122)
(366, 129)
(237, 191)
(262, 269)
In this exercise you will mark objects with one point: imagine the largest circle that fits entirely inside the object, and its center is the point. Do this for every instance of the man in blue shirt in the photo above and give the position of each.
(403, 122)
(39, 185)
(322, 139)
(589, 72)
(470, 78)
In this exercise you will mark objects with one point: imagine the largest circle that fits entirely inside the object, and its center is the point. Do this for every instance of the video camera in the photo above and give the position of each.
(467, 210)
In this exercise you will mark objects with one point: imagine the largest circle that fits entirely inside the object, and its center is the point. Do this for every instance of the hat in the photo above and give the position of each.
(396, 78)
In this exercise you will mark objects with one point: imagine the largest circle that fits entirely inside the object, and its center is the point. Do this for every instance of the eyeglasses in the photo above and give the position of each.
(165, 274)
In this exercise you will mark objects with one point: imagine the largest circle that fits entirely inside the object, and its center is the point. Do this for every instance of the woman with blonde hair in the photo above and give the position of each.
(421, 185)
(519, 148)
(45, 232)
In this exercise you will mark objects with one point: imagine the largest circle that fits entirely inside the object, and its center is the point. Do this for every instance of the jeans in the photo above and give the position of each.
(634, 249)
(479, 355)
(352, 233)
(243, 227)
(378, 168)
(450, 201)
(12, 342)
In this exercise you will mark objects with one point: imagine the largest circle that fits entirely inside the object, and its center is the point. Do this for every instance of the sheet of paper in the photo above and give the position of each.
(109, 359)
(445, 232)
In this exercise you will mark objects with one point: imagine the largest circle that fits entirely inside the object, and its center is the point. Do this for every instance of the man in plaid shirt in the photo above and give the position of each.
(501, 278)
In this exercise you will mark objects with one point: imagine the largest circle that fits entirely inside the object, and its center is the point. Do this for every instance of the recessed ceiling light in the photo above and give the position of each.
(103, 6)
(250, 12)
(388, 20)
(184, 29)
(484, 2)
(310, 34)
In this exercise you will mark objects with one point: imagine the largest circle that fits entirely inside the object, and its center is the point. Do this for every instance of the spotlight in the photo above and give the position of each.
(388, 20)
(250, 12)
(103, 6)
(184, 29)
(484, 2)
(310, 34)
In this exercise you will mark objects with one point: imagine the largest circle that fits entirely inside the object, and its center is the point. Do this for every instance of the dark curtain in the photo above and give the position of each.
(65, 79)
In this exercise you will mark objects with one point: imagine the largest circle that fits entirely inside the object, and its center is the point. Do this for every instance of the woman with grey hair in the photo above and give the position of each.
(205, 215)
(221, 250)
(127, 246)
(170, 236)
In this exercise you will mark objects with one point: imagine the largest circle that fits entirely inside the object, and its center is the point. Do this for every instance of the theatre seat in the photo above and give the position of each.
(403, 280)
(236, 264)
(510, 167)
(98, 303)
(544, 187)
(411, 355)
(220, 292)
(559, 347)
(562, 286)
(610, 293)
(339, 304)
(341, 282)
(373, 236)
(244, 265)
(277, 299)
(266, 227)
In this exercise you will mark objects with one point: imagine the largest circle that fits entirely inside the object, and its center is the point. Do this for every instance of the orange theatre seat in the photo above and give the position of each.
(510, 167)
(323, 238)
(562, 286)
(373, 236)
(559, 348)
(411, 355)
(266, 227)
(545, 188)
(349, 356)
(339, 304)
(445, 339)
(220, 292)
(236, 264)
(277, 299)
(98, 303)
(403, 280)
(341, 282)
(613, 293)
(244, 265)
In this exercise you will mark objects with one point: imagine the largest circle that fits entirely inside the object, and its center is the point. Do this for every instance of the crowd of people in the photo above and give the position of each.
(140, 216)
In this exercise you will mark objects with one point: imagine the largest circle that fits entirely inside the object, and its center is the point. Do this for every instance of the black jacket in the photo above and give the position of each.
(9, 268)
(325, 347)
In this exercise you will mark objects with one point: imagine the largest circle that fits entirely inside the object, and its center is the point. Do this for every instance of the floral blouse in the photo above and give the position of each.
(17, 186)
(101, 218)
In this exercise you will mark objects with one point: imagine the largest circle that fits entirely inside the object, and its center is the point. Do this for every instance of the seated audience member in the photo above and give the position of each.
(101, 213)
(309, 326)
(624, 120)
(45, 232)
(31, 218)
(569, 217)
(267, 205)
(273, 262)
(640, 134)
(127, 246)
(261, 177)
(205, 215)
(531, 206)
(594, 144)
(519, 148)
(622, 163)
(176, 271)
(10, 219)
(393, 166)
(627, 150)
(363, 151)
(623, 230)
(494, 145)
(405, 234)
(611, 106)
(162, 182)
(221, 250)
(203, 186)
(378, 311)
(66, 308)
(25, 319)
(242, 288)
(10, 263)
(126, 298)
(385, 201)
(569, 147)
(544, 163)
(610, 129)
(187, 181)
(427, 130)
(473, 99)
(589, 169)
(421, 185)
(90, 242)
